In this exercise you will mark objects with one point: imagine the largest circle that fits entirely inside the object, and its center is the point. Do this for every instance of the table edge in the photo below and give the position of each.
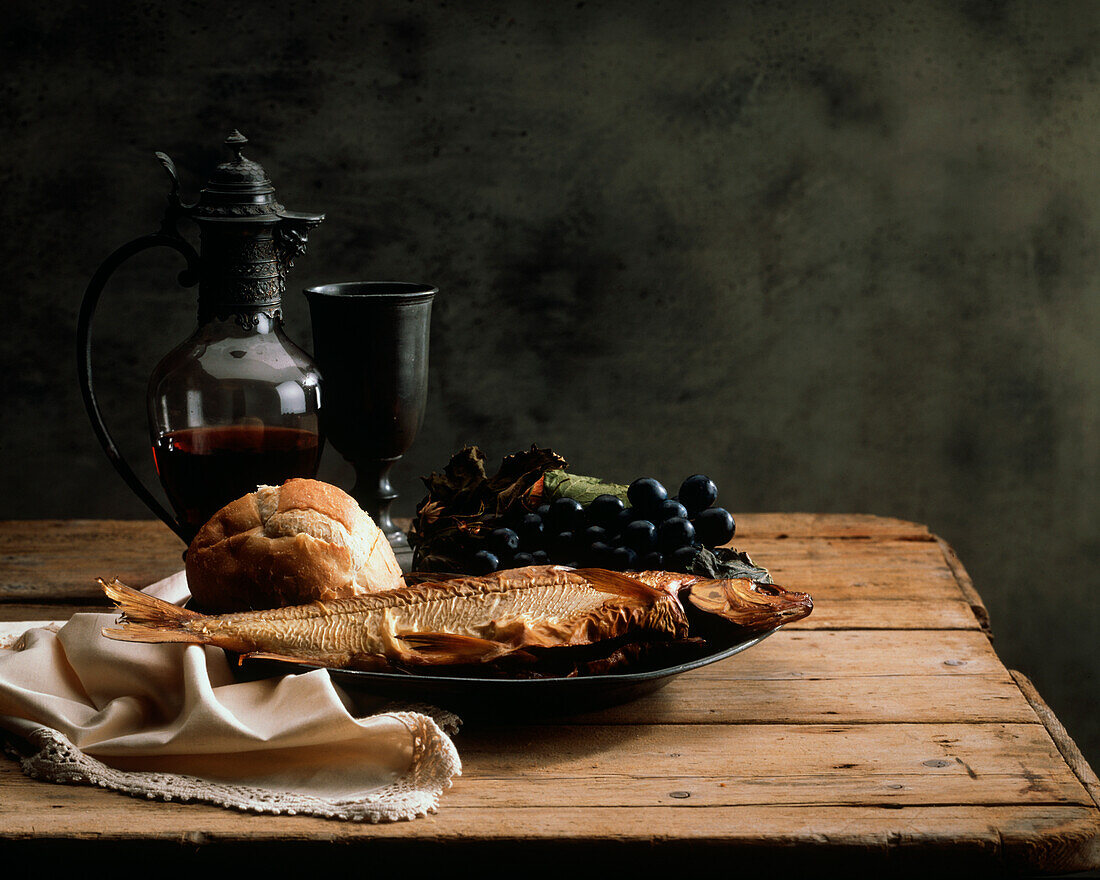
(966, 585)
(1068, 749)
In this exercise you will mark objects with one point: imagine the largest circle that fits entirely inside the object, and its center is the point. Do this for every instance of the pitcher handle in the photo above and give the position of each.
(188, 277)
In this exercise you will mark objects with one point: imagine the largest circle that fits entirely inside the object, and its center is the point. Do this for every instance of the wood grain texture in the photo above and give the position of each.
(59, 560)
(739, 765)
(39, 819)
(883, 733)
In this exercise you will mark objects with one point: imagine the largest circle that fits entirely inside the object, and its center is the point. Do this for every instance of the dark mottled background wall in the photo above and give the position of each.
(842, 256)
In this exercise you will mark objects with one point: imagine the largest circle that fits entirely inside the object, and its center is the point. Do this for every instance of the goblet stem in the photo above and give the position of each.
(375, 494)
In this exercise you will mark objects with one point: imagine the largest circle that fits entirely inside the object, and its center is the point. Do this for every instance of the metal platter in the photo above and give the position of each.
(507, 698)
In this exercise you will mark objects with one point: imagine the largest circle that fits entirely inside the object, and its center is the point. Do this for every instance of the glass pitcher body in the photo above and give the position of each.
(231, 408)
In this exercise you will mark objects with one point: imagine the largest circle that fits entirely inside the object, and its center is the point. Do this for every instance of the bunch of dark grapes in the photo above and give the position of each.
(651, 532)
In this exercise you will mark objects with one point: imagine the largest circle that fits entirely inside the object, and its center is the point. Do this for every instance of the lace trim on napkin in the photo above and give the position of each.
(435, 761)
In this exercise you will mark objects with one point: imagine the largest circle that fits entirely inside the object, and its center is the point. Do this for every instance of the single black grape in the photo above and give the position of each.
(697, 493)
(530, 529)
(599, 554)
(640, 536)
(714, 526)
(623, 559)
(503, 541)
(594, 534)
(626, 516)
(604, 510)
(675, 533)
(540, 557)
(485, 562)
(653, 561)
(682, 558)
(565, 515)
(668, 509)
(521, 559)
(646, 494)
(563, 545)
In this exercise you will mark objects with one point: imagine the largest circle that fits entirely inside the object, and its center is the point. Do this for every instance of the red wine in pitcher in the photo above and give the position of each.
(203, 469)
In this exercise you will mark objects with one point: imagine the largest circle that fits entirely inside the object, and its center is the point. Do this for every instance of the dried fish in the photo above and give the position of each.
(520, 616)
(462, 620)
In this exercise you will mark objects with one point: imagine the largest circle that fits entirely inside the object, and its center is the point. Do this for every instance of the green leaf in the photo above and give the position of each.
(559, 484)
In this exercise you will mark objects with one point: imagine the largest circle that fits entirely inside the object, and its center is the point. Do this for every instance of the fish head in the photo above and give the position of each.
(749, 603)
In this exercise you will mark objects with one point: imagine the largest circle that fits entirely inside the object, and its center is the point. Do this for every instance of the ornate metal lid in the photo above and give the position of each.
(239, 190)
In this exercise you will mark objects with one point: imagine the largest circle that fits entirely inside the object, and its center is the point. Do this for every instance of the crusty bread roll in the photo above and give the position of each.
(300, 542)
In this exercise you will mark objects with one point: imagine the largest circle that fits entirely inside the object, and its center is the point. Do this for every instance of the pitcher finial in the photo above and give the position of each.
(235, 142)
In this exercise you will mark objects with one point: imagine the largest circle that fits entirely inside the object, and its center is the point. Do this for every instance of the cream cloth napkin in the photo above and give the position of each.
(174, 722)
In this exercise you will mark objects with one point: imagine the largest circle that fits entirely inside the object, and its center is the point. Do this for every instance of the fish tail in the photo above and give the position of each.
(147, 618)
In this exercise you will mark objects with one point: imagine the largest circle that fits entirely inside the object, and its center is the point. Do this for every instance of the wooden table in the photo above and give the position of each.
(882, 732)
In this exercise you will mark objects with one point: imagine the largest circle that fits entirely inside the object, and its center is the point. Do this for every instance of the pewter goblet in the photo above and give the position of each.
(370, 341)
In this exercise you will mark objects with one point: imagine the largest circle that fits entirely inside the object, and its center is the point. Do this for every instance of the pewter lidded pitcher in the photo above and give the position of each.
(235, 405)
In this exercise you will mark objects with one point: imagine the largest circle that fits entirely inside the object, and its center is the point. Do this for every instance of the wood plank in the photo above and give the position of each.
(850, 526)
(587, 766)
(889, 614)
(856, 569)
(854, 677)
(808, 654)
(13, 611)
(59, 560)
(695, 699)
(720, 765)
(715, 765)
(31, 806)
(37, 817)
